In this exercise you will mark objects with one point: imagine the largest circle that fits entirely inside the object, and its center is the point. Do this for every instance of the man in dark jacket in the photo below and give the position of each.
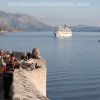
(8, 77)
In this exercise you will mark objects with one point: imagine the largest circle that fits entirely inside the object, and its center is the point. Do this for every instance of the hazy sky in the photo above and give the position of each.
(57, 12)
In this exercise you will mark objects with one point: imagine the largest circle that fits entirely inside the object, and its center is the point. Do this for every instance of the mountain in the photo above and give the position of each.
(85, 28)
(22, 22)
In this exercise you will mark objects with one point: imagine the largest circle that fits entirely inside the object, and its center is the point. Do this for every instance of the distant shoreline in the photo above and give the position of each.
(3, 32)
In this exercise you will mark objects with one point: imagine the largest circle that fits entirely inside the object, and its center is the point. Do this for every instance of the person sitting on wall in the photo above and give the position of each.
(28, 55)
(16, 64)
(14, 61)
(36, 55)
(24, 56)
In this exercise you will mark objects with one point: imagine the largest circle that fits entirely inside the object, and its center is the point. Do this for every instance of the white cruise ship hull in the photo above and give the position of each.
(63, 34)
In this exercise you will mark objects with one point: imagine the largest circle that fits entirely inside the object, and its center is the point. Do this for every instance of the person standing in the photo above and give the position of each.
(0, 71)
(8, 77)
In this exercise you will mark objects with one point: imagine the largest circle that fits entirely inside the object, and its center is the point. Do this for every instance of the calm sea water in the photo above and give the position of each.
(73, 65)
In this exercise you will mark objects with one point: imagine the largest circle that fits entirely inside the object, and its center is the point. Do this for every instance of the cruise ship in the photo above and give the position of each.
(63, 31)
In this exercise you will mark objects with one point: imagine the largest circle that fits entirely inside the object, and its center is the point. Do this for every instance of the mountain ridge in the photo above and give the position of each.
(85, 28)
(24, 22)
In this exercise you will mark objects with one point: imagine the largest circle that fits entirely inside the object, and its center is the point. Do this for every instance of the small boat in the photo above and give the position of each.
(64, 31)
(98, 40)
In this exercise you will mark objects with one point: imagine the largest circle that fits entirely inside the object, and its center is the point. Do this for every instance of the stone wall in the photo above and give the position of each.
(28, 86)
